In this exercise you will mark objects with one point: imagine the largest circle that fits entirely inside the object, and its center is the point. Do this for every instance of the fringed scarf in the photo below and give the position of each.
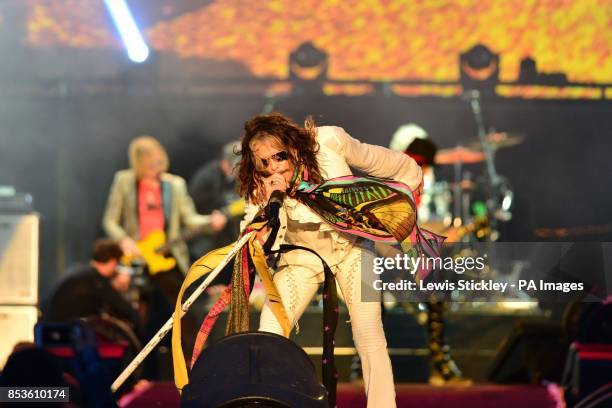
(372, 208)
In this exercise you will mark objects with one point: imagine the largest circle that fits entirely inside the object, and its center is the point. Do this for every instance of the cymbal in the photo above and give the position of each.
(458, 154)
(498, 140)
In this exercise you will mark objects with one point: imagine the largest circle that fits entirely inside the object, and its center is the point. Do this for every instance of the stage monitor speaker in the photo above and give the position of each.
(588, 368)
(532, 352)
(16, 325)
(19, 259)
(255, 369)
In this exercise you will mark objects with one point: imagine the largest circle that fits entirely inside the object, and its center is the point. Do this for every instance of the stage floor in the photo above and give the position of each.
(163, 394)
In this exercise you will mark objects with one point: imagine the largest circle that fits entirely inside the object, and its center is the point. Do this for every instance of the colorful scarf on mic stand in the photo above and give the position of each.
(372, 208)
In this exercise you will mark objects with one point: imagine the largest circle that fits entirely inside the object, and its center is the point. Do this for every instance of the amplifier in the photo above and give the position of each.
(16, 325)
(19, 259)
(12, 202)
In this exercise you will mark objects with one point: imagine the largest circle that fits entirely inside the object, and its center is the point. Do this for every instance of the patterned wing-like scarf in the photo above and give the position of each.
(373, 208)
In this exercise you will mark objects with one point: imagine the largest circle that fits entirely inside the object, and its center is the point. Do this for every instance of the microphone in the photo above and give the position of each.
(272, 209)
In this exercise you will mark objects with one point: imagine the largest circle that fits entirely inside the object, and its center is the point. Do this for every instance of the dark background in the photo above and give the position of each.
(68, 115)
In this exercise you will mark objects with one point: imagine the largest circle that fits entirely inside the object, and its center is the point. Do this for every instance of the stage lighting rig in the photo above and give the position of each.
(136, 47)
(308, 68)
(479, 69)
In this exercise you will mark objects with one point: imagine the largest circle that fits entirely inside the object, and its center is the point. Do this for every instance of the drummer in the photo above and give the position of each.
(433, 214)
(434, 207)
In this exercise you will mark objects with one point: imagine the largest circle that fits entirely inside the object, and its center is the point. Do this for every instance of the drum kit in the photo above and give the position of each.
(466, 209)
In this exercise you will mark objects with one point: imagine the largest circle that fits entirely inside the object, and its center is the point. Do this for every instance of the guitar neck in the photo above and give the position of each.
(233, 209)
(185, 236)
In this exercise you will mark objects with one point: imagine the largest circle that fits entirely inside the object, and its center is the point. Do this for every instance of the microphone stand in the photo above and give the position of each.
(473, 96)
(184, 308)
(273, 207)
(499, 185)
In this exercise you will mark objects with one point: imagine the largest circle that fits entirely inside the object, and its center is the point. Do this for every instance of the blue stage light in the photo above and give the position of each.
(137, 48)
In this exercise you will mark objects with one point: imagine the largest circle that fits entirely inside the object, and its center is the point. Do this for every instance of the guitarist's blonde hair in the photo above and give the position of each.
(143, 146)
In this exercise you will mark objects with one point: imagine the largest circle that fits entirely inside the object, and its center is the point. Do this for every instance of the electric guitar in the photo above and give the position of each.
(155, 249)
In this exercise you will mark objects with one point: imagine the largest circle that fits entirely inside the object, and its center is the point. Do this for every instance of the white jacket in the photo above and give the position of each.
(338, 153)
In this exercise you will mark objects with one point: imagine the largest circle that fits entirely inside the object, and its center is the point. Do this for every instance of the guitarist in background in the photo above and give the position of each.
(213, 186)
(145, 200)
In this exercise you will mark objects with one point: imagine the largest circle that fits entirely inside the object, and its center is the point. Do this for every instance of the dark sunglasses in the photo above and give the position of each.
(277, 157)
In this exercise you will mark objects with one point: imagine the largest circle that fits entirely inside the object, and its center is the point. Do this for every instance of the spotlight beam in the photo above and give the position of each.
(136, 47)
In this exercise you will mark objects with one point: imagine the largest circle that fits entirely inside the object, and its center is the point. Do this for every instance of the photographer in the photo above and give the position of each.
(93, 289)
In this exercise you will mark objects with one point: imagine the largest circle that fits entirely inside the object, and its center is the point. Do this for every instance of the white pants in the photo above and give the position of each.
(298, 284)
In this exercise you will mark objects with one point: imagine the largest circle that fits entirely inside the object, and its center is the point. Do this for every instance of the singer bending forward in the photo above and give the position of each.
(274, 149)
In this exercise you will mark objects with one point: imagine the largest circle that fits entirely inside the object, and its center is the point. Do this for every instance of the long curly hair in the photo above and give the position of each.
(301, 141)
